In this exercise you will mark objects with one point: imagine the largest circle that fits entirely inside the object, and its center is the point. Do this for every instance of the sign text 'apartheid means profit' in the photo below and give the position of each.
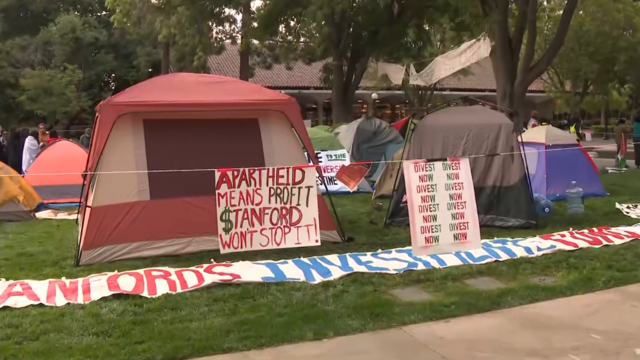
(442, 206)
(267, 208)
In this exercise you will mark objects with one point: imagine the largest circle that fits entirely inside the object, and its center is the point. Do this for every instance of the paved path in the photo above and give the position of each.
(599, 326)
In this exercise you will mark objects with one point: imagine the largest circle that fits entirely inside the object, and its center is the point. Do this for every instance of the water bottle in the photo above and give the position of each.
(575, 203)
(543, 205)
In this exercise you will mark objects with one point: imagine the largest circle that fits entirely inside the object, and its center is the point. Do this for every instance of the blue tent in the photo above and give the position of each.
(555, 159)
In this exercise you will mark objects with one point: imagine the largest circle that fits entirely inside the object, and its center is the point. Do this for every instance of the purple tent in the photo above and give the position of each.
(554, 159)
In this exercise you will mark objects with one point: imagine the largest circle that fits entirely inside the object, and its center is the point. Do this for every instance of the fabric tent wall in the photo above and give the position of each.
(502, 191)
(367, 139)
(386, 158)
(323, 141)
(56, 173)
(555, 159)
(552, 168)
(133, 208)
(17, 198)
(387, 179)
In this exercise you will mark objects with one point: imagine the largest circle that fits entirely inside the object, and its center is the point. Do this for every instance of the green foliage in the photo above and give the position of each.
(602, 40)
(53, 94)
(192, 29)
(351, 34)
(68, 48)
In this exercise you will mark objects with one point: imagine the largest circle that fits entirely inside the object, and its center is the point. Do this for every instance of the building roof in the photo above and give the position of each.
(480, 76)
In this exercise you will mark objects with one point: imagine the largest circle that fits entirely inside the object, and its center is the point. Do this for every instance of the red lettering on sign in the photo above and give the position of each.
(114, 285)
(586, 237)
(230, 277)
(153, 275)
(240, 197)
(184, 285)
(559, 238)
(24, 289)
(69, 290)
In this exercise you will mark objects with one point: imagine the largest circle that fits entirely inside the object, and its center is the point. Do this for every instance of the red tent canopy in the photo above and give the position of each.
(144, 197)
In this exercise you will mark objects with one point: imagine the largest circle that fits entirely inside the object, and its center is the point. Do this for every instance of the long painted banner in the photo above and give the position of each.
(153, 282)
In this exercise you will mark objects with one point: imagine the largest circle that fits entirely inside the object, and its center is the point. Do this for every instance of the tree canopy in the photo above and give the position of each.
(349, 35)
(60, 59)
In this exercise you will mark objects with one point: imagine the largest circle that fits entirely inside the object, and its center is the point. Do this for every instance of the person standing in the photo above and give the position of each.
(13, 150)
(636, 140)
(30, 151)
(618, 135)
(533, 121)
(3, 145)
(85, 139)
(53, 136)
(43, 135)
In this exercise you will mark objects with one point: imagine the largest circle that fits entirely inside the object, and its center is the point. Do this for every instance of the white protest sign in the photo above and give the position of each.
(267, 208)
(330, 162)
(442, 206)
(631, 210)
(158, 281)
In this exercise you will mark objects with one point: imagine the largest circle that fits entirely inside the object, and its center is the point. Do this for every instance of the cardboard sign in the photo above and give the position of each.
(157, 281)
(352, 175)
(442, 206)
(330, 163)
(267, 208)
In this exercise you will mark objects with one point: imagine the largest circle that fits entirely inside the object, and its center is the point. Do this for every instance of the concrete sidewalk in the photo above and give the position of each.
(599, 326)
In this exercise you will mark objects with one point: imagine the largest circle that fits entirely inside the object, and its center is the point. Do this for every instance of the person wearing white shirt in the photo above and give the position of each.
(30, 150)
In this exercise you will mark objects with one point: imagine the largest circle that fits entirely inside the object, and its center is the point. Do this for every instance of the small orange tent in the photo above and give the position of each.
(56, 173)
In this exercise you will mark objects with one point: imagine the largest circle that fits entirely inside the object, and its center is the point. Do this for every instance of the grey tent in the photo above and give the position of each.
(487, 138)
(367, 139)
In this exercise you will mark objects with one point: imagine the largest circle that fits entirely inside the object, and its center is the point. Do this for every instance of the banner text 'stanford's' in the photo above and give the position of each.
(154, 282)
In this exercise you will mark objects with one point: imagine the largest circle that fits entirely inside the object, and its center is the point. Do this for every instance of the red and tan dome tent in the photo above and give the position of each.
(137, 204)
(56, 173)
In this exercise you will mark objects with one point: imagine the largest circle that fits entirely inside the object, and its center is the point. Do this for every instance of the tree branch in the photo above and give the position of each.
(546, 59)
(519, 28)
(530, 49)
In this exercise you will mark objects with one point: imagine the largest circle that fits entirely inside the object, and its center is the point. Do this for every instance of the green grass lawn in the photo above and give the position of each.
(230, 318)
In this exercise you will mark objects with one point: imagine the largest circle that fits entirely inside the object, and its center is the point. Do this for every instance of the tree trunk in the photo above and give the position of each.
(514, 66)
(245, 41)
(165, 66)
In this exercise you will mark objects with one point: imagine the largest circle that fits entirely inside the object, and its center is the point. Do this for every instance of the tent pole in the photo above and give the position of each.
(397, 178)
(526, 171)
(314, 160)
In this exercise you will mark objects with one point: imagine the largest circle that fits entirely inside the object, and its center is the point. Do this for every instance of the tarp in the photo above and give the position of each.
(554, 159)
(158, 281)
(485, 136)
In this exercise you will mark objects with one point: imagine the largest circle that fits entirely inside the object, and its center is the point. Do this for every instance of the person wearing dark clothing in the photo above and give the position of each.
(575, 127)
(3, 157)
(636, 140)
(85, 139)
(13, 150)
